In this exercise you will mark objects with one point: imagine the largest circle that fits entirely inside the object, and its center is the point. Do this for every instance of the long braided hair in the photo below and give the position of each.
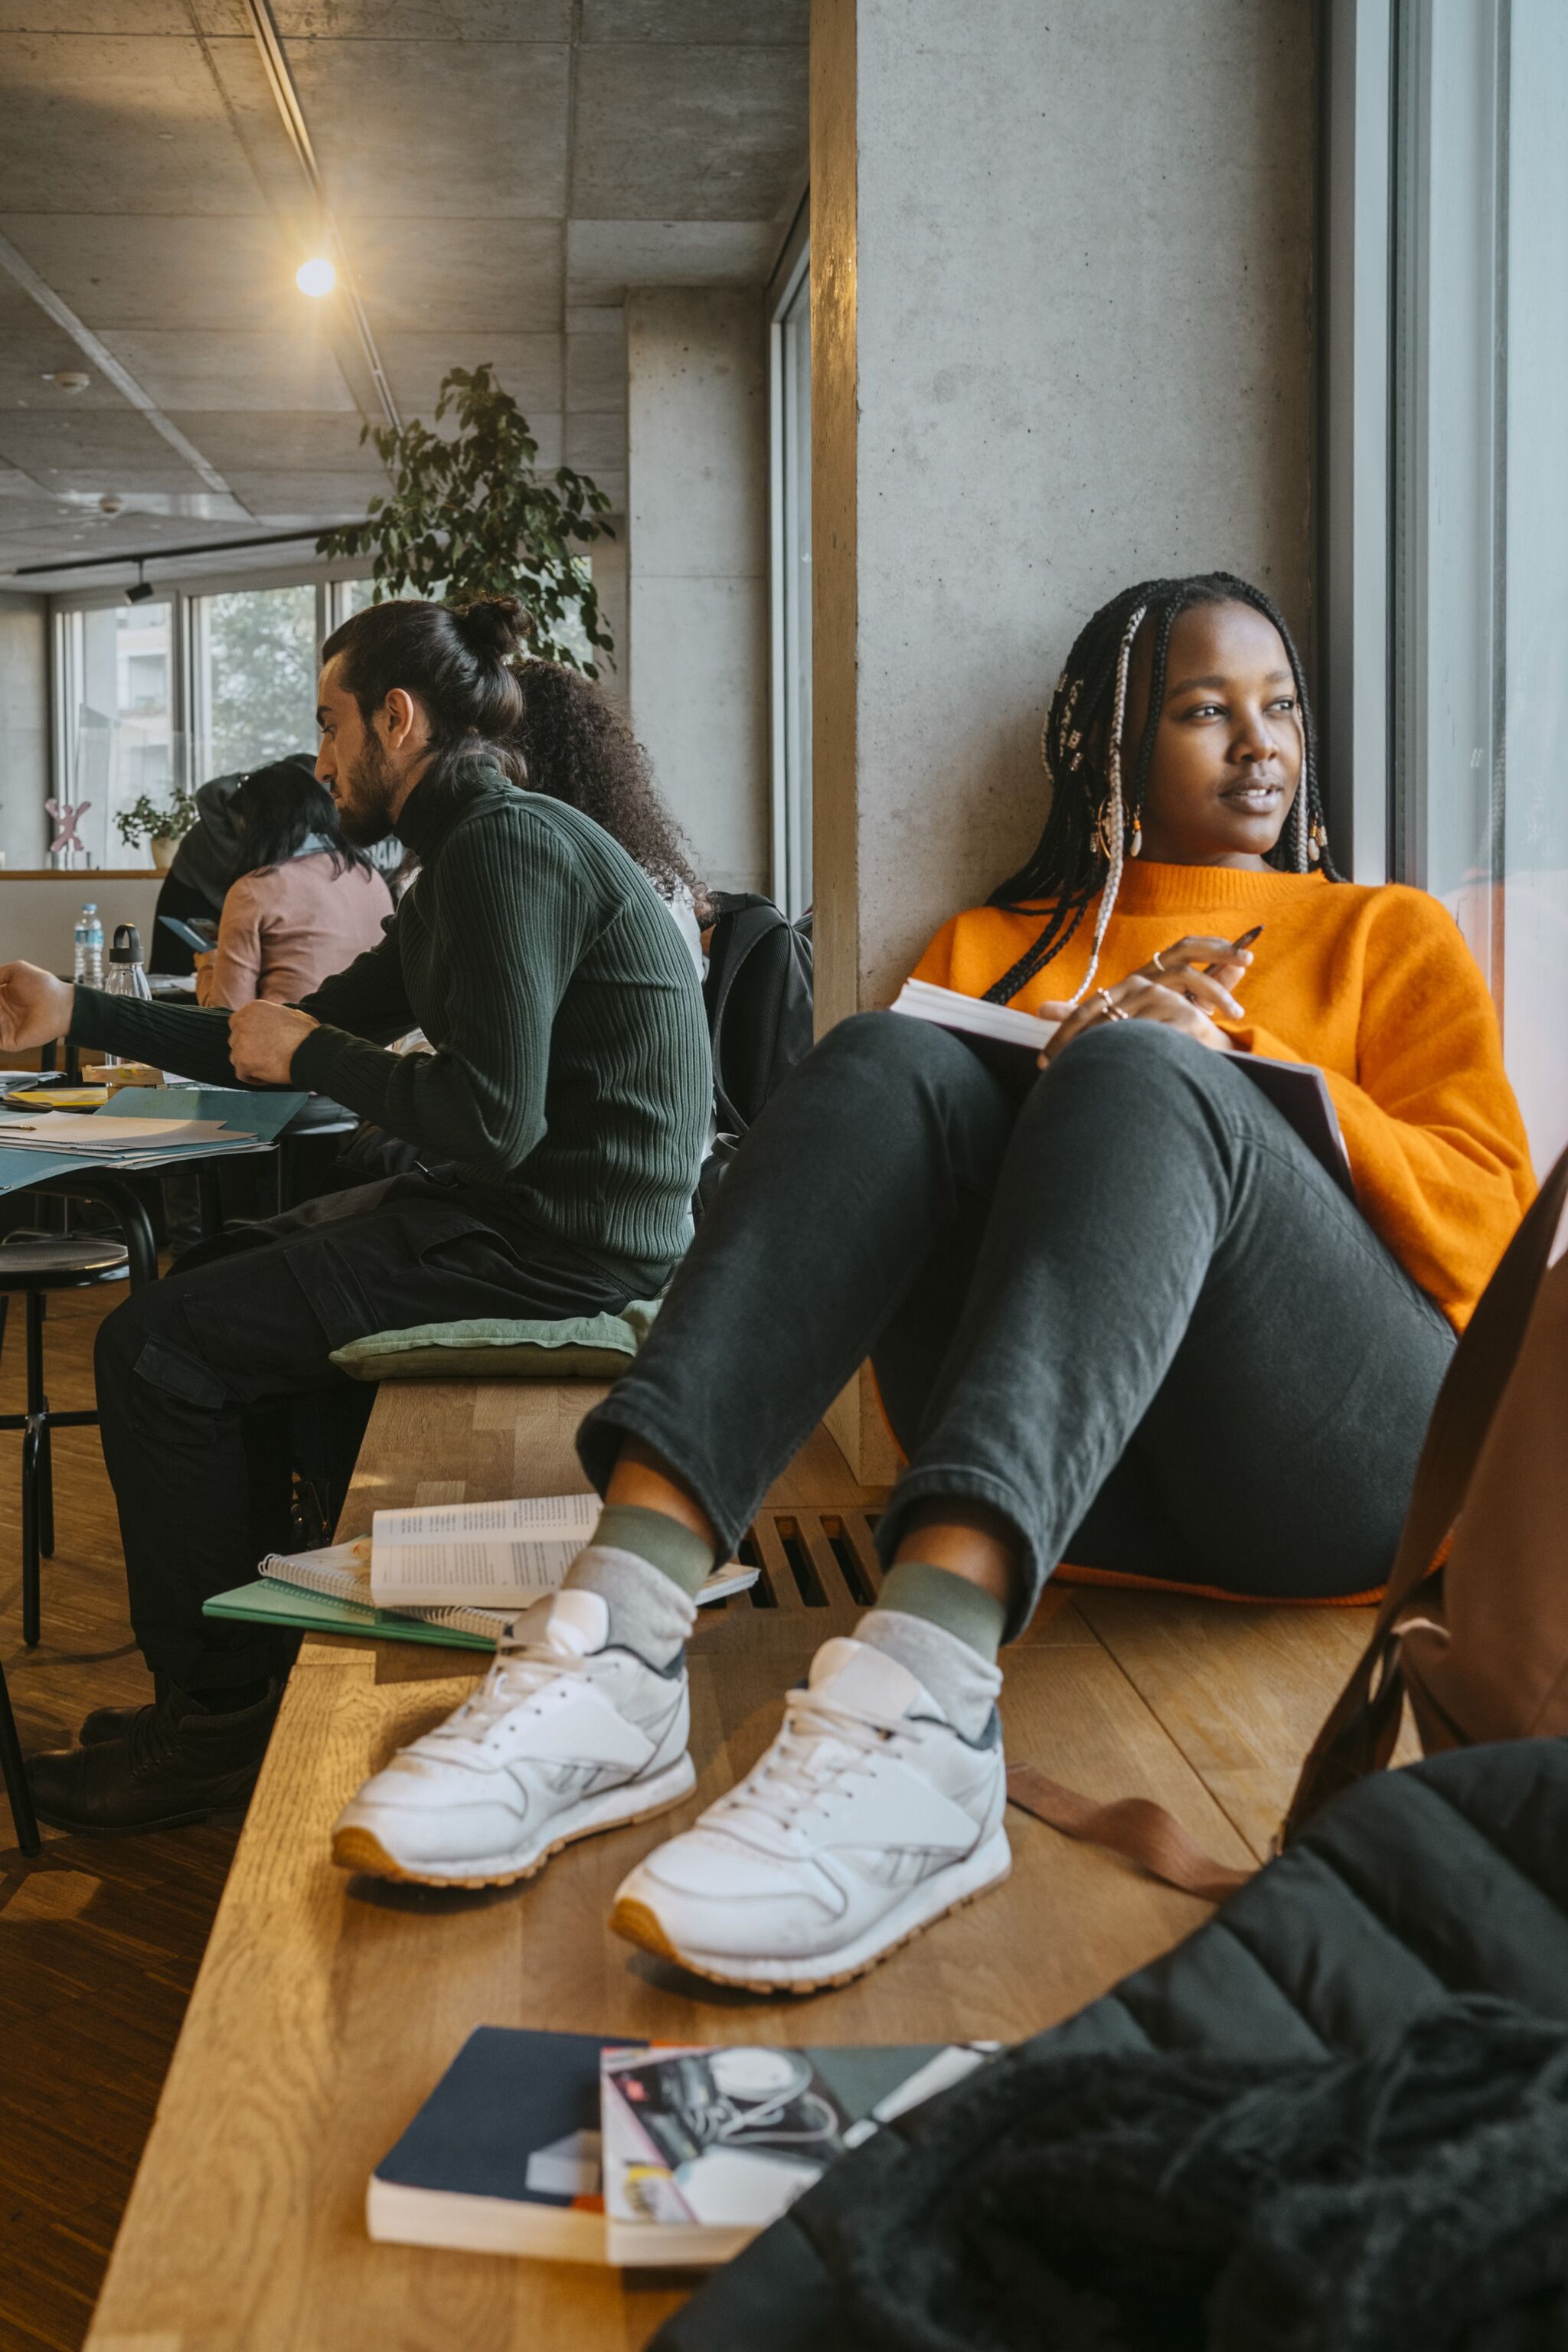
(1094, 800)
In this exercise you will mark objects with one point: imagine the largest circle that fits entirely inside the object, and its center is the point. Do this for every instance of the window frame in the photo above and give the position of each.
(185, 595)
(790, 613)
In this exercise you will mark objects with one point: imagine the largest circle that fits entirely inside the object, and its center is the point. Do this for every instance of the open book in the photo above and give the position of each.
(468, 1566)
(1009, 1040)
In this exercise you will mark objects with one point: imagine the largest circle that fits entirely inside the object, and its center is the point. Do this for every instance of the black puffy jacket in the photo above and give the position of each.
(1447, 1880)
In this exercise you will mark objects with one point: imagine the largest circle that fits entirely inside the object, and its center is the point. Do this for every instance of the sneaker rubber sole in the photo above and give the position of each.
(357, 1847)
(948, 1890)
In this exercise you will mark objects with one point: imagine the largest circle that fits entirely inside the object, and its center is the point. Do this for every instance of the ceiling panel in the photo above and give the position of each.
(460, 274)
(412, 20)
(117, 124)
(748, 23)
(415, 130)
(528, 366)
(161, 270)
(294, 440)
(604, 257)
(93, 450)
(185, 368)
(665, 131)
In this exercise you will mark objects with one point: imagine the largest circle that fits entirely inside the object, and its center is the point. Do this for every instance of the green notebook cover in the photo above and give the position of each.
(266, 1602)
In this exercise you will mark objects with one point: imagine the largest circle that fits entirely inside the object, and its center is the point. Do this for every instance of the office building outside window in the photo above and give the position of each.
(1478, 545)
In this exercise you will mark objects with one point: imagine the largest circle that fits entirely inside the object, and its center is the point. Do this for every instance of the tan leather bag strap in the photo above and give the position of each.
(1134, 1826)
(1363, 1725)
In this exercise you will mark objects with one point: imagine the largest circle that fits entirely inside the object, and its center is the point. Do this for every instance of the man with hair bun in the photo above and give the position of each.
(565, 1101)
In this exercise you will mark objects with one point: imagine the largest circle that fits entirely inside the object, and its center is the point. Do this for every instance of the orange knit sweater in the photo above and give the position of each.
(1376, 987)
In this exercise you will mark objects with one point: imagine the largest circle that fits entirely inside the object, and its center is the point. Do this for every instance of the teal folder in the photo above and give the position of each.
(267, 1603)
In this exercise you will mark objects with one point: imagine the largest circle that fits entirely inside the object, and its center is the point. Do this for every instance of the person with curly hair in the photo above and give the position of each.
(575, 746)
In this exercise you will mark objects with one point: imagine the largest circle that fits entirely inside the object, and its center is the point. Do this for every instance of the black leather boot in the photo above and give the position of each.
(114, 1722)
(176, 1762)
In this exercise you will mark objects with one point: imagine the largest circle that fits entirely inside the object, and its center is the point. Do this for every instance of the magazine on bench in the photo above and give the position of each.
(573, 2147)
(1003, 1037)
(705, 2147)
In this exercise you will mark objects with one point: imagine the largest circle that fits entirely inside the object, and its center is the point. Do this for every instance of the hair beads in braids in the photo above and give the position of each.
(1084, 756)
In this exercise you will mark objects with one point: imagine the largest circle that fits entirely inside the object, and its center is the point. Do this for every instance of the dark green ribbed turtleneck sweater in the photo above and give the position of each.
(570, 1083)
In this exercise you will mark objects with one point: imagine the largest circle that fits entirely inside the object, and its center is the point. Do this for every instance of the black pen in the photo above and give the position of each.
(1244, 941)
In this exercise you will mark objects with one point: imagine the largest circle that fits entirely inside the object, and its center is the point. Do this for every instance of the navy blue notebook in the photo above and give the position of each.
(504, 2157)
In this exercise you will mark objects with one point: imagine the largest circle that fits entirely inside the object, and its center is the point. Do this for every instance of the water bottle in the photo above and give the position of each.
(87, 966)
(126, 976)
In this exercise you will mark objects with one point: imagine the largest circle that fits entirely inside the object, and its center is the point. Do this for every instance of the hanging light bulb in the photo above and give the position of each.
(316, 276)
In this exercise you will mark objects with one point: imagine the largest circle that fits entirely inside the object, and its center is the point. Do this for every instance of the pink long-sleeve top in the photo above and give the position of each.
(287, 929)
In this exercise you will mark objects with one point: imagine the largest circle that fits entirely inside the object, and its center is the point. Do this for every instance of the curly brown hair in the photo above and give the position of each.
(576, 746)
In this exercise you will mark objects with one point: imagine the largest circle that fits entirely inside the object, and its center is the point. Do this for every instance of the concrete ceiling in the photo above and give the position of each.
(501, 172)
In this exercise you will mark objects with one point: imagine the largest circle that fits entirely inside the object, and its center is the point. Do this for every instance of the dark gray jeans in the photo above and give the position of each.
(1131, 1313)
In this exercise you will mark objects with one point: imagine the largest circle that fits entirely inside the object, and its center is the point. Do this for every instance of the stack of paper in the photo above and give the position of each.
(127, 1143)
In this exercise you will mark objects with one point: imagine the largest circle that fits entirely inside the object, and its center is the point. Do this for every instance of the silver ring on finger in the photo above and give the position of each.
(1158, 961)
(1112, 1011)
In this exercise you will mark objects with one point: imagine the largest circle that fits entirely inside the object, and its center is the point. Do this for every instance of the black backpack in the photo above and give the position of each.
(758, 993)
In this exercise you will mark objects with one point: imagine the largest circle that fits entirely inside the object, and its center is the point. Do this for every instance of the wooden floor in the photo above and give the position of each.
(100, 1937)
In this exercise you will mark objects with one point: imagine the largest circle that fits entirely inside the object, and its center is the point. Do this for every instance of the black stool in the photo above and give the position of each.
(33, 1267)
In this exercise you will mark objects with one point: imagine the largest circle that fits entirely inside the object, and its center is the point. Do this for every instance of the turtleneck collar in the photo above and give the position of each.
(431, 810)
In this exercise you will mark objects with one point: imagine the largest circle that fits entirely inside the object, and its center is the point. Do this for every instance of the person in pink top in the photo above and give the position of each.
(303, 904)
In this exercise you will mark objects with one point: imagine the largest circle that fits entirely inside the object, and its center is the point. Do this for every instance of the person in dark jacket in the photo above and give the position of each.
(568, 1085)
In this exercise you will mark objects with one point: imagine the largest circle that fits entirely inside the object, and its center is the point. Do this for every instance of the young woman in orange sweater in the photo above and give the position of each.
(1127, 1320)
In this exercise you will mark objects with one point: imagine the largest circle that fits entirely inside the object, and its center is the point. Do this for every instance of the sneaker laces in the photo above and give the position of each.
(514, 1676)
(820, 1745)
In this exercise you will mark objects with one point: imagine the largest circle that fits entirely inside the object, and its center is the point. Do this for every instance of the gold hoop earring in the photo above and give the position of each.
(1102, 841)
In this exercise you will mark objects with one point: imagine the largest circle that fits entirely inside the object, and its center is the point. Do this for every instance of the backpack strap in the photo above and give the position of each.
(1134, 1826)
(1363, 1727)
(748, 919)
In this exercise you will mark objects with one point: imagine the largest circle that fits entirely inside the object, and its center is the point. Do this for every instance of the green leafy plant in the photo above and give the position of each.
(469, 516)
(150, 820)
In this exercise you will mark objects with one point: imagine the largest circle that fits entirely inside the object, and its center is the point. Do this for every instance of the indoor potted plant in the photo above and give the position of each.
(162, 824)
(469, 516)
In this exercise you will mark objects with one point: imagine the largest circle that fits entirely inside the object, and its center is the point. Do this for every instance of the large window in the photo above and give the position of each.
(253, 672)
(210, 678)
(115, 669)
(1479, 504)
(791, 502)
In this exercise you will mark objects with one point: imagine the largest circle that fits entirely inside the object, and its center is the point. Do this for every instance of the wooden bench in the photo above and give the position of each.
(327, 2007)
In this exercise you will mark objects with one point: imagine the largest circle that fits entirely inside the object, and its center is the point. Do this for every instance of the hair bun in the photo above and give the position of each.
(491, 626)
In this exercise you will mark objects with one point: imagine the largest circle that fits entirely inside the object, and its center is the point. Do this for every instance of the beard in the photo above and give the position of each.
(369, 789)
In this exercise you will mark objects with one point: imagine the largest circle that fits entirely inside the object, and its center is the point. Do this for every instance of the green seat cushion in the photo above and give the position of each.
(576, 1347)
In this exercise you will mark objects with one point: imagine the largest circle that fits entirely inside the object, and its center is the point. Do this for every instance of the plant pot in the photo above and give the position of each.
(165, 847)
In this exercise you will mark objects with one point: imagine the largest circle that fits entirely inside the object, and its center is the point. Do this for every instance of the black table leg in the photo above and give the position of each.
(14, 1771)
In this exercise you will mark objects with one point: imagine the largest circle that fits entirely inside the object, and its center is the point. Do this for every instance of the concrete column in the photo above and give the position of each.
(1062, 340)
(698, 546)
(25, 829)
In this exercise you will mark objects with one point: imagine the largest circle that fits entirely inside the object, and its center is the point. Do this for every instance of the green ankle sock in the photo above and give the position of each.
(664, 1543)
(948, 1601)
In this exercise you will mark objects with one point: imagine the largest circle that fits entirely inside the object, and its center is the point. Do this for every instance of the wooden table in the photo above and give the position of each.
(328, 2006)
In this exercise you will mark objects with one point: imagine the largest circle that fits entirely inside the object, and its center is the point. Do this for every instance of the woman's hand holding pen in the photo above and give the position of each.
(1182, 986)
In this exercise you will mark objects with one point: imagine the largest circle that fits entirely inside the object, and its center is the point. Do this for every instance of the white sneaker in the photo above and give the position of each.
(867, 1819)
(563, 1738)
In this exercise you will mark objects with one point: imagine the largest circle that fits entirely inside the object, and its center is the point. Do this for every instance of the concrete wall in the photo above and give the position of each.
(1063, 339)
(697, 452)
(24, 730)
